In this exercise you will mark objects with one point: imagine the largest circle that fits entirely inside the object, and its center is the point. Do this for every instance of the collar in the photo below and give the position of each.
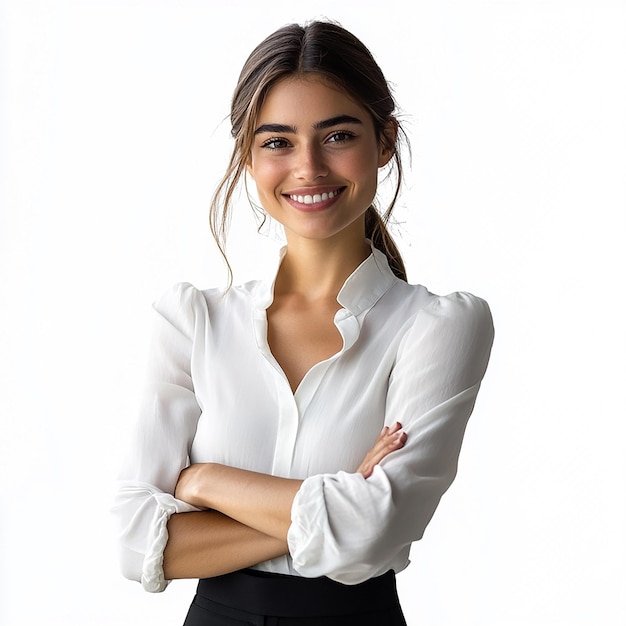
(360, 292)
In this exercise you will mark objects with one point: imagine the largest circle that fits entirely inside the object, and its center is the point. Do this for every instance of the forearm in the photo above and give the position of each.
(260, 501)
(208, 543)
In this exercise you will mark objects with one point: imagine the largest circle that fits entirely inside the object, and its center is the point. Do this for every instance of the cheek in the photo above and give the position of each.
(364, 162)
(266, 173)
(364, 168)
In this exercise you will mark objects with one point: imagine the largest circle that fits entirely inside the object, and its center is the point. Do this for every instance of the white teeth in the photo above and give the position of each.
(315, 198)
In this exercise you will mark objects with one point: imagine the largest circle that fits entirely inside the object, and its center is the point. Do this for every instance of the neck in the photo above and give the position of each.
(317, 270)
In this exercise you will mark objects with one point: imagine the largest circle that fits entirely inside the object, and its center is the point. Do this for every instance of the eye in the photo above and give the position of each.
(340, 136)
(275, 143)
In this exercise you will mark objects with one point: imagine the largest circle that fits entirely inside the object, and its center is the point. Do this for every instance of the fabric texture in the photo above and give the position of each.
(215, 393)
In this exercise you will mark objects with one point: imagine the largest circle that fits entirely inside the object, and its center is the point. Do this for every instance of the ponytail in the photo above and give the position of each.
(376, 230)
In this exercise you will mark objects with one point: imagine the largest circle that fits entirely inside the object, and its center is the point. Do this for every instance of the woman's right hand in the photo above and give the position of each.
(391, 438)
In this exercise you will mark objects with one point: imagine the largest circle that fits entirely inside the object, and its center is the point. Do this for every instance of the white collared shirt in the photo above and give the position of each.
(216, 394)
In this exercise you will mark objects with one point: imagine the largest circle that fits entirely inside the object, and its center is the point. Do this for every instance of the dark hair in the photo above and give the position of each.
(329, 51)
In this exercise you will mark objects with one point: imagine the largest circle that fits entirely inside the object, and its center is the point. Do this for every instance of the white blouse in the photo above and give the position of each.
(216, 394)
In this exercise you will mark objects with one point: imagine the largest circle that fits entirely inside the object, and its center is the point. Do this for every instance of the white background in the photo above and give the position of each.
(111, 140)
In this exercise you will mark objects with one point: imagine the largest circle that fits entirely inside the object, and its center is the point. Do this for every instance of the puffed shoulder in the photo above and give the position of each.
(454, 332)
(462, 313)
(463, 309)
(182, 305)
(180, 296)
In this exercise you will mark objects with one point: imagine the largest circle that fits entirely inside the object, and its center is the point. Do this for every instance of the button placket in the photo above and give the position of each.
(288, 417)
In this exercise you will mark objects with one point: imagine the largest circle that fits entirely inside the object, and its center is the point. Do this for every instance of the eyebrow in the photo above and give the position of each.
(329, 123)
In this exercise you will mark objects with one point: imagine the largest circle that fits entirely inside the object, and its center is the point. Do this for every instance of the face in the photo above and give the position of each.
(315, 160)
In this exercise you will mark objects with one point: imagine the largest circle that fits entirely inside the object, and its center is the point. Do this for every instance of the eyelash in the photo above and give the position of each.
(268, 144)
(345, 134)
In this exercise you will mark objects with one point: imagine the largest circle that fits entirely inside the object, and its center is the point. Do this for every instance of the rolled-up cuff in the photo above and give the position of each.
(308, 507)
(152, 577)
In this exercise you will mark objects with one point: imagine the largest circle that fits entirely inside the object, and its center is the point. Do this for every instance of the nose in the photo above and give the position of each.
(310, 164)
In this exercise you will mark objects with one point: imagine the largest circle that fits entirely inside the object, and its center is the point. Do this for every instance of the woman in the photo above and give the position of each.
(299, 431)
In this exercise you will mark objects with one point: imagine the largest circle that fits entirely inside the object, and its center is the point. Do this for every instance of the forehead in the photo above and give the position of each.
(308, 99)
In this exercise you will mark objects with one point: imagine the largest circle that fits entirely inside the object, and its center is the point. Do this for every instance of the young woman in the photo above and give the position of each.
(298, 432)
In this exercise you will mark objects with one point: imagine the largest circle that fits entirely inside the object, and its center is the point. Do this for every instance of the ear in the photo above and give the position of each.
(249, 167)
(387, 144)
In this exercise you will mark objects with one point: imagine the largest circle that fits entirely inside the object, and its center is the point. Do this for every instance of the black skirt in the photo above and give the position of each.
(261, 599)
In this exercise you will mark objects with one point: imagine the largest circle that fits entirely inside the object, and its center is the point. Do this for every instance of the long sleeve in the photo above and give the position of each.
(160, 446)
(351, 529)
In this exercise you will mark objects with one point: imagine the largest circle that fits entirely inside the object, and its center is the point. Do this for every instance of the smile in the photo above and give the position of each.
(316, 198)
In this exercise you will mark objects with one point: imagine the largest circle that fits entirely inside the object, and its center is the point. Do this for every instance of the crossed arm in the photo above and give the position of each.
(246, 515)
